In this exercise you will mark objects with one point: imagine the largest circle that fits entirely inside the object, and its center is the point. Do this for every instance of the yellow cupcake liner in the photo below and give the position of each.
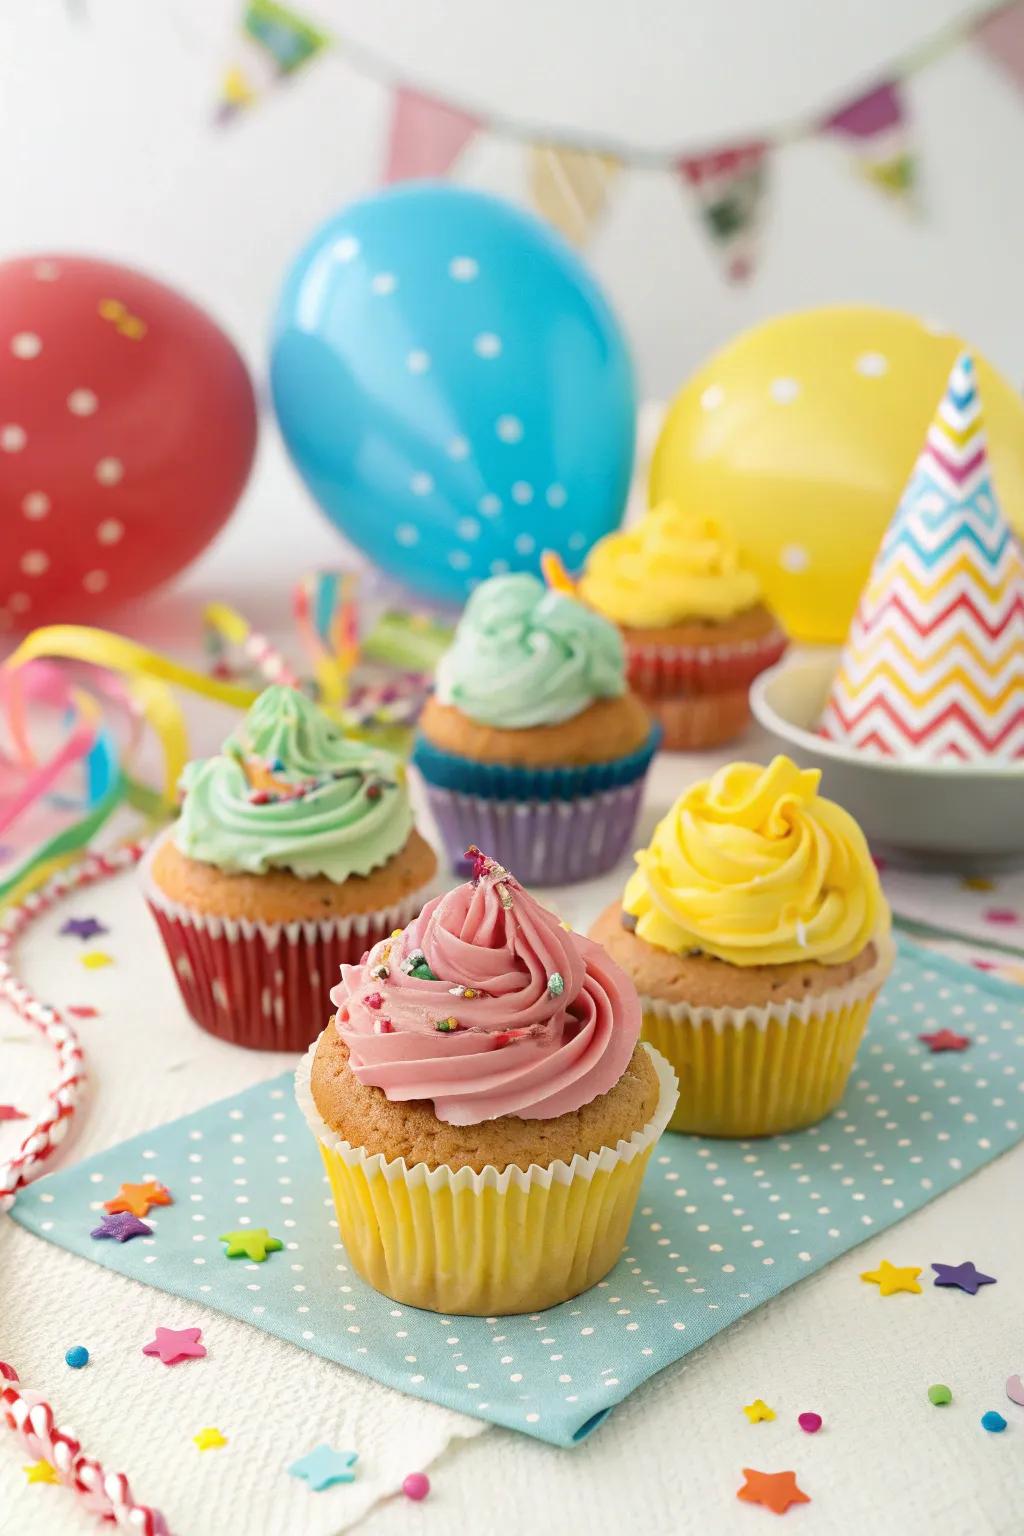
(488, 1243)
(758, 1071)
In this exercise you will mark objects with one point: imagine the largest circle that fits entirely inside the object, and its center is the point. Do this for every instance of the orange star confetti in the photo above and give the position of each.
(138, 1198)
(775, 1490)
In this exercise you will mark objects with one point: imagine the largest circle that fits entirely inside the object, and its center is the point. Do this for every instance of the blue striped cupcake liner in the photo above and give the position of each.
(508, 781)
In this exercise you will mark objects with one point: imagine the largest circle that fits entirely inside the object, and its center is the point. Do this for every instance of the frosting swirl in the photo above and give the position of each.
(524, 655)
(289, 790)
(673, 564)
(755, 867)
(488, 1006)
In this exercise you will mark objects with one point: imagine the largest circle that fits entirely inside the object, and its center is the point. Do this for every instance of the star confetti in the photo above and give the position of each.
(41, 1472)
(945, 1040)
(209, 1439)
(139, 1198)
(891, 1278)
(1015, 1390)
(8, 1112)
(965, 1276)
(96, 959)
(83, 1011)
(758, 1411)
(122, 1227)
(254, 1243)
(321, 1467)
(174, 1344)
(775, 1490)
(83, 928)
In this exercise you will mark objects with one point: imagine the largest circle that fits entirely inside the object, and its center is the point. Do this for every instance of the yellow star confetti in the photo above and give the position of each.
(95, 959)
(209, 1439)
(891, 1278)
(758, 1411)
(978, 883)
(41, 1472)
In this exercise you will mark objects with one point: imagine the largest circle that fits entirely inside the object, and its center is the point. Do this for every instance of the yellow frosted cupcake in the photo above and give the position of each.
(756, 932)
(695, 629)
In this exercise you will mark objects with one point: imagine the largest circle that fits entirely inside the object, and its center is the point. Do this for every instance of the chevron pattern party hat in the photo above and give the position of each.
(933, 666)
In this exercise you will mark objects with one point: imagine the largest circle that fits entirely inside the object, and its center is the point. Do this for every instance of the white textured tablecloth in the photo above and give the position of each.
(668, 1460)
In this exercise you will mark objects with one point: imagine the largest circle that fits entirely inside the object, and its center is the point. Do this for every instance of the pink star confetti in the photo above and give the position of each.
(8, 1112)
(945, 1040)
(174, 1344)
(1004, 916)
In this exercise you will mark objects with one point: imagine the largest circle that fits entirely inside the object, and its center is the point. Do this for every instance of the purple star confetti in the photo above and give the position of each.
(83, 928)
(121, 1227)
(965, 1276)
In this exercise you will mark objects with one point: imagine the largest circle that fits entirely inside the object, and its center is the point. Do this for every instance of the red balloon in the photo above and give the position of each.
(127, 431)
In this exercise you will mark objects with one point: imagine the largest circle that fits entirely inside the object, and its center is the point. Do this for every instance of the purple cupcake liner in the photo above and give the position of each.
(542, 842)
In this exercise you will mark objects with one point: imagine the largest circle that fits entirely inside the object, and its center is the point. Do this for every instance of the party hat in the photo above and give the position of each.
(933, 665)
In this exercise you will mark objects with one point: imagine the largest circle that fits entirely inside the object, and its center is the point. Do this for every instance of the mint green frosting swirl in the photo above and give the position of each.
(525, 655)
(290, 791)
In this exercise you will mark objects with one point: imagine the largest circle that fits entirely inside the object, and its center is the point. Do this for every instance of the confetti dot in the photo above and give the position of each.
(712, 397)
(109, 471)
(383, 282)
(77, 1356)
(35, 562)
(35, 505)
(872, 365)
(421, 483)
(939, 1395)
(464, 269)
(509, 429)
(810, 1423)
(26, 345)
(784, 391)
(82, 402)
(95, 581)
(416, 1486)
(12, 437)
(487, 344)
(407, 534)
(993, 1422)
(794, 558)
(418, 361)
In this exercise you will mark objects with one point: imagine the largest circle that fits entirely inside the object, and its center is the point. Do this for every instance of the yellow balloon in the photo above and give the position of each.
(801, 435)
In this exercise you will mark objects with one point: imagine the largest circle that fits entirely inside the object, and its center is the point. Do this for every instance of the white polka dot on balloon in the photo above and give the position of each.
(12, 437)
(35, 562)
(872, 365)
(421, 484)
(46, 271)
(346, 248)
(784, 391)
(383, 283)
(82, 402)
(109, 471)
(556, 496)
(487, 344)
(459, 560)
(577, 541)
(467, 528)
(26, 345)
(712, 397)
(418, 361)
(525, 544)
(794, 558)
(35, 505)
(522, 493)
(110, 531)
(509, 429)
(18, 602)
(458, 448)
(407, 534)
(463, 269)
(489, 504)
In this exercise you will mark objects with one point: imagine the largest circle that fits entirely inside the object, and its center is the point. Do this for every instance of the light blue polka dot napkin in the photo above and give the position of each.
(721, 1226)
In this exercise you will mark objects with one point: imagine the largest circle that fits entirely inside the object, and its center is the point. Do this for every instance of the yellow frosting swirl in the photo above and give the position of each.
(754, 866)
(670, 566)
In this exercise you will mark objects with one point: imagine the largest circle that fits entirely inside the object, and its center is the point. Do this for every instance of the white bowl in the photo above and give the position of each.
(965, 816)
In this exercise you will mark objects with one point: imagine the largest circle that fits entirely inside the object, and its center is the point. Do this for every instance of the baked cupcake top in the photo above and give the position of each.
(674, 564)
(755, 867)
(487, 1005)
(288, 790)
(527, 655)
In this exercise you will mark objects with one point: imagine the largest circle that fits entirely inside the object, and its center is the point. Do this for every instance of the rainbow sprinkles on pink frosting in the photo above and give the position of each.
(487, 1005)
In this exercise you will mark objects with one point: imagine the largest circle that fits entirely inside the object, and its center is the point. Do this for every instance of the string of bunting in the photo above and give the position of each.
(572, 180)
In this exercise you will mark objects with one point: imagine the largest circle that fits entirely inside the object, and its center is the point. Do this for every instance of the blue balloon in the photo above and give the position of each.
(453, 387)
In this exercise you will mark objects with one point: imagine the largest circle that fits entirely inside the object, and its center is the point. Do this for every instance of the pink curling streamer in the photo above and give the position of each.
(107, 1495)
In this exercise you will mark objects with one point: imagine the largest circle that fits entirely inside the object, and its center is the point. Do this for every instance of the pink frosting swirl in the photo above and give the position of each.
(536, 1020)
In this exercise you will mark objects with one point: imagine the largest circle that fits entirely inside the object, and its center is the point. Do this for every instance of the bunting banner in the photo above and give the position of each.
(570, 179)
(427, 136)
(729, 187)
(274, 43)
(570, 187)
(876, 128)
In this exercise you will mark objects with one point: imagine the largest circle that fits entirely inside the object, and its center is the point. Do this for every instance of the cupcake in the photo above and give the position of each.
(532, 742)
(695, 629)
(295, 851)
(756, 932)
(483, 1106)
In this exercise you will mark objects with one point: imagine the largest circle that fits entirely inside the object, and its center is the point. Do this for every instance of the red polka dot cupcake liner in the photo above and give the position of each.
(659, 670)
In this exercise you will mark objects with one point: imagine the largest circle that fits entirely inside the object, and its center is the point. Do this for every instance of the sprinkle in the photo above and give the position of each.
(373, 791)
(993, 1422)
(414, 958)
(965, 1276)
(556, 985)
(122, 1227)
(209, 1439)
(891, 1278)
(446, 1026)
(40, 1472)
(945, 1040)
(801, 933)
(775, 1490)
(461, 991)
(76, 1357)
(96, 959)
(810, 1423)
(758, 1411)
(1015, 1390)
(627, 920)
(383, 1027)
(261, 797)
(322, 1467)
(416, 1486)
(373, 1000)
(504, 895)
(939, 1395)
(83, 1011)
(175, 1344)
(253, 1243)
(82, 928)
(139, 1198)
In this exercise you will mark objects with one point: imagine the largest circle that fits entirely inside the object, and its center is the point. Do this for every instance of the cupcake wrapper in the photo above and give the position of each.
(657, 670)
(758, 1071)
(264, 985)
(506, 781)
(548, 842)
(487, 1243)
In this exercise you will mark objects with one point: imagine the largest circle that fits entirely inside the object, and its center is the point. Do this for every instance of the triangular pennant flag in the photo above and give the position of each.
(570, 187)
(426, 137)
(1001, 36)
(730, 185)
(274, 43)
(876, 128)
(933, 665)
